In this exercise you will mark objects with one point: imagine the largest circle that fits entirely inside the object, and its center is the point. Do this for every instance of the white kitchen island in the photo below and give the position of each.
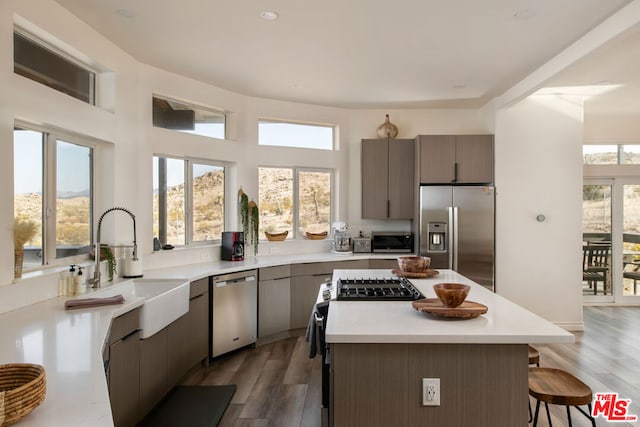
(381, 351)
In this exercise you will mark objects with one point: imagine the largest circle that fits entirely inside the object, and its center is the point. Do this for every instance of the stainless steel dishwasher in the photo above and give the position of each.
(234, 311)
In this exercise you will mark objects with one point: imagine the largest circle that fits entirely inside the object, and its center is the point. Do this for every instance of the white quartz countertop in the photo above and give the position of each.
(69, 344)
(398, 322)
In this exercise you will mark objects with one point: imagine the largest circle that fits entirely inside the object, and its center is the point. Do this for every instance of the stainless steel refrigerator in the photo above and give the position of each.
(457, 230)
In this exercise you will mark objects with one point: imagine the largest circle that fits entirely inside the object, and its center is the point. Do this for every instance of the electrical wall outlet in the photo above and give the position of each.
(431, 392)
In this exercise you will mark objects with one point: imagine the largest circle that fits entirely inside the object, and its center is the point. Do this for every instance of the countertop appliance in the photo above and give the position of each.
(361, 244)
(234, 311)
(457, 230)
(232, 246)
(377, 289)
(341, 238)
(392, 241)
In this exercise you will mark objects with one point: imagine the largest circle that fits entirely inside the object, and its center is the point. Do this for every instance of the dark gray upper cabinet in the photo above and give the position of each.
(456, 159)
(387, 178)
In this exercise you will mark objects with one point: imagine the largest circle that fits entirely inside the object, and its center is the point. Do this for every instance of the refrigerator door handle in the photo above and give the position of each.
(455, 238)
(452, 230)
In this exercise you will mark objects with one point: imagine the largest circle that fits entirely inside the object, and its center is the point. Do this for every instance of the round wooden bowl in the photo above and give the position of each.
(24, 386)
(316, 236)
(451, 294)
(414, 264)
(276, 237)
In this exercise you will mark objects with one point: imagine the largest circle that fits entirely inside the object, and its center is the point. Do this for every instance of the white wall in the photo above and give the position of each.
(623, 129)
(539, 171)
(130, 140)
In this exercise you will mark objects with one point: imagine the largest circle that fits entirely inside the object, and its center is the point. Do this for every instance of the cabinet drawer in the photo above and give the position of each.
(277, 272)
(124, 325)
(383, 264)
(320, 268)
(199, 287)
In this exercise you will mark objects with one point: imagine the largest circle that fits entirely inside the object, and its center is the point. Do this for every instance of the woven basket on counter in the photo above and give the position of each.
(276, 237)
(22, 388)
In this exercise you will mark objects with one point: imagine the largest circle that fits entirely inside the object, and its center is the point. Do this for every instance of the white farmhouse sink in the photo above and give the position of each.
(165, 301)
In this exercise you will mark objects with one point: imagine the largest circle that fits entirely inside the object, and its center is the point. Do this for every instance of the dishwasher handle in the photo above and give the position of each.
(234, 281)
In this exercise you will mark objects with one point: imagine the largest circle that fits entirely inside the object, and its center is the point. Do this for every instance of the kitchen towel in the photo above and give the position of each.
(93, 302)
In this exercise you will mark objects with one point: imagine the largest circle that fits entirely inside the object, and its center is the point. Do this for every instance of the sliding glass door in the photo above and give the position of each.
(611, 240)
(597, 274)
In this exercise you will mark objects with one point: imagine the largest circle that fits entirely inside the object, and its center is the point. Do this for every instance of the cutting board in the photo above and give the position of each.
(466, 310)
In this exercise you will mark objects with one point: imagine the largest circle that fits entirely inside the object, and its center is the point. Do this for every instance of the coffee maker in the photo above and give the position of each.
(232, 246)
(341, 238)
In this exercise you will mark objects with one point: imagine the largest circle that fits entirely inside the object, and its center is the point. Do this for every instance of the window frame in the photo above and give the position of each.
(333, 128)
(94, 73)
(619, 148)
(188, 197)
(193, 106)
(296, 195)
(49, 189)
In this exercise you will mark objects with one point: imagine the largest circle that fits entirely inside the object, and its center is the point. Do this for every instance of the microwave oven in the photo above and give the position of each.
(392, 242)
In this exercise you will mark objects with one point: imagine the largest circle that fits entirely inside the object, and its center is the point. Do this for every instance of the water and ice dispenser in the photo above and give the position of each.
(437, 237)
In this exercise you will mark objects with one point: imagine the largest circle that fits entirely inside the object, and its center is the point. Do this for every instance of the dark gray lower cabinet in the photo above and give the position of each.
(154, 382)
(124, 369)
(188, 337)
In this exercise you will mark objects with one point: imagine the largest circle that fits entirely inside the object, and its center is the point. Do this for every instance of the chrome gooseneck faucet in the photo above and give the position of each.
(95, 280)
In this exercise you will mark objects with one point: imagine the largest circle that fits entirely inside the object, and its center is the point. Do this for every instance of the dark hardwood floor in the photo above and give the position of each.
(278, 385)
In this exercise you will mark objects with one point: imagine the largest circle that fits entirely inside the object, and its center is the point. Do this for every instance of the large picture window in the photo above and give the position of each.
(188, 201)
(294, 200)
(53, 181)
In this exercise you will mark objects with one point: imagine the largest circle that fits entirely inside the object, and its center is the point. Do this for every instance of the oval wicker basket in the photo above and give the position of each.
(22, 388)
(316, 236)
(276, 237)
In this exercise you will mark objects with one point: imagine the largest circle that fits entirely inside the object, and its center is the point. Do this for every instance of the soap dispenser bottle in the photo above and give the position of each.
(80, 284)
(71, 280)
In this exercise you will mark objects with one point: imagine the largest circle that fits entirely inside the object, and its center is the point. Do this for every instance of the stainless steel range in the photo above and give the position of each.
(377, 289)
(364, 287)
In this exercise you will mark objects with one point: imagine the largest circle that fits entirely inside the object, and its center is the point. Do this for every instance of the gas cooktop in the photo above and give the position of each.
(377, 289)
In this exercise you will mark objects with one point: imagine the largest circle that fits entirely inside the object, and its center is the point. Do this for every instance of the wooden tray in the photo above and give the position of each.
(407, 274)
(466, 310)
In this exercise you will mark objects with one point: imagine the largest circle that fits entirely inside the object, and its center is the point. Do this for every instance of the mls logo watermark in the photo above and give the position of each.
(612, 408)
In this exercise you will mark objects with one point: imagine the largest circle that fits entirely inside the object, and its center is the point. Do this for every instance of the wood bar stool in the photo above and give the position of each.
(534, 356)
(559, 387)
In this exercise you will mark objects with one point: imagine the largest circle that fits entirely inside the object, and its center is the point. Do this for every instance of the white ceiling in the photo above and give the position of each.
(354, 53)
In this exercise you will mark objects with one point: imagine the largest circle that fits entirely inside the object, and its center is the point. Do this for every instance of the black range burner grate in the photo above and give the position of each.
(377, 289)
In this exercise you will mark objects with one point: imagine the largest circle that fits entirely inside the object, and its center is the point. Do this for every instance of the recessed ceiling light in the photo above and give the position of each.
(524, 14)
(268, 15)
(125, 13)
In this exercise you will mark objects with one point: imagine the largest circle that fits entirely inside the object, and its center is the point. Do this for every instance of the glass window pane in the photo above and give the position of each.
(600, 154)
(183, 117)
(631, 154)
(27, 202)
(169, 201)
(596, 212)
(631, 240)
(36, 62)
(314, 201)
(73, 199)
(596, 233)
(275, 191)
(208, 202)
(295, 135)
